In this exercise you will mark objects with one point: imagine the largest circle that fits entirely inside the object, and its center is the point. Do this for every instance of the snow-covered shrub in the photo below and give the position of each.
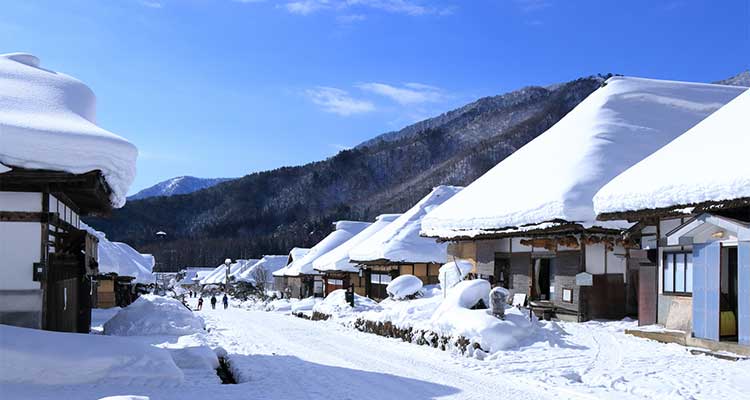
(454, 272)
(154, 315)
(454, 317)
(335, 304)
(404, 287)
(499, 300)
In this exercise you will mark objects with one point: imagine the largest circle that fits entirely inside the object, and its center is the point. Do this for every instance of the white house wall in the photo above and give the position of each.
(21, 201)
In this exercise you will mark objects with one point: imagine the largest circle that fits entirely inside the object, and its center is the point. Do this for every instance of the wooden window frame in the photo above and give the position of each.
(674, 254)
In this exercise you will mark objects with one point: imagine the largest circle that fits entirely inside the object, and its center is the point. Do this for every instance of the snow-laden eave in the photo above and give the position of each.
(550, 228)
(675, 210)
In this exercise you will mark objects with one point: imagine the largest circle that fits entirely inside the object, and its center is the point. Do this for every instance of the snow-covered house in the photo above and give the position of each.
(398, 249)
(280, 280)
(529, 223)
(263, 269)
(220, 273)
(691, 200)
(301, 279)
(191, 277)
(338, 270)
(56, 165)
(121, 268)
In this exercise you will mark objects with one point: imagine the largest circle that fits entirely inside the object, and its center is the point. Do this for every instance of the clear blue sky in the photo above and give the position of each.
(226, 87)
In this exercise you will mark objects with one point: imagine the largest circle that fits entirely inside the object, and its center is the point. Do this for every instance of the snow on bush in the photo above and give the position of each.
(404, 286)
(154, 315)
(335, 304)
(32, 356)
(455, 318)
(453, 272)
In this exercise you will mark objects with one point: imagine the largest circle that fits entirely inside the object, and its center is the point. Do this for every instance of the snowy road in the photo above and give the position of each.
(286, 357)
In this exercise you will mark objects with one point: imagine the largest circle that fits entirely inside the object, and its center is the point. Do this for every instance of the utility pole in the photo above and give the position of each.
(227, 263)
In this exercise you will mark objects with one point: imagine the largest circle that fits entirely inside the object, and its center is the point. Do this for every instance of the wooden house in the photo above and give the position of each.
(691, 203)
(337, 269)
(529, 225)
(56, 166)
(398, 249)
(302, 280)
(280, 280)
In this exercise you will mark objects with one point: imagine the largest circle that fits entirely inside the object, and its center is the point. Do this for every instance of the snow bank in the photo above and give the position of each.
(400, 240)
(707, 163)
(270, 264)
(344, 231)
(454, 318)
(304, 305)
(154, 315)
(122, 259)
(338, 258)
(32, 356)
(556, 175)
(450, 274)
(404, 286)
(48, 121)
(335, 304)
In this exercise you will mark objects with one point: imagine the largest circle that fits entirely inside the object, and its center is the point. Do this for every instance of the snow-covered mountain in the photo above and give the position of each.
(178, 185)
(741, 79)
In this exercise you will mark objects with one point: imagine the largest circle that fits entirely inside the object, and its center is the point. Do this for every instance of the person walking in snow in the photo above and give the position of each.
(225, 300)
(213, 301)
(200, 303)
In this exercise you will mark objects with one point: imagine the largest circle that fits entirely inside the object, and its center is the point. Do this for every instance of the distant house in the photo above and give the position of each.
(398, 249)
(219, 275)
(280, 281)
(191, 277)
(121, 268)
(337, 269)
(529, 224)
(691, 202)
(56, 165)
(302, 280)
(263, 269)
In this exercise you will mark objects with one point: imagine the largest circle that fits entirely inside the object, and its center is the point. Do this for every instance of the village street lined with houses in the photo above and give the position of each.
(588, 239)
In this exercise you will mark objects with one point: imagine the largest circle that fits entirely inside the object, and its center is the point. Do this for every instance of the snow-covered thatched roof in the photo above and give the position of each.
(338, 258)
(48, 121)
(400, 240)
(269, 263)
(708, 163)
(555, 176)
(120, 258)
(294, 254)
(344, 231)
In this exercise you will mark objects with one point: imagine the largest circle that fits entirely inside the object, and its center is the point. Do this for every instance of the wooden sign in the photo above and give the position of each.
(584, 279)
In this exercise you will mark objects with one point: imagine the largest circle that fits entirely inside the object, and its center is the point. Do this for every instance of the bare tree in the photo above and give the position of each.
(261, 277)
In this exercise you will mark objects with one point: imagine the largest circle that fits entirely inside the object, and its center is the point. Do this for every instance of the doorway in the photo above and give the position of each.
(728, 294)
(542, 278)
(502, 272)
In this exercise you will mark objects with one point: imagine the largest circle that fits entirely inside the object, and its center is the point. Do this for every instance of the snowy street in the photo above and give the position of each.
(274, 355)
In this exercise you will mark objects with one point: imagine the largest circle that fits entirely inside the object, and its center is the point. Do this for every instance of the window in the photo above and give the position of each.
(678, 273)
(380, 279)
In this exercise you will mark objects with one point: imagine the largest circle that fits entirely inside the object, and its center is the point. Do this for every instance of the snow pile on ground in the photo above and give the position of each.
(344, 231)
(451, 273)
(31, 356)
(154, 315)
(404, 286)
(338, 258)
(119, 258)
(268, 264)
(48, 121)
(707, 163)
(612, 129)
(400, 240)
(304, 305)
(455, 318)
(335, 304)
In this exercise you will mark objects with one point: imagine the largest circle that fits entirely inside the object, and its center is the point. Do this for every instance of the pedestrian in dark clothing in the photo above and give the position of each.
(213, 301)
(200, 304)
(225, 300)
